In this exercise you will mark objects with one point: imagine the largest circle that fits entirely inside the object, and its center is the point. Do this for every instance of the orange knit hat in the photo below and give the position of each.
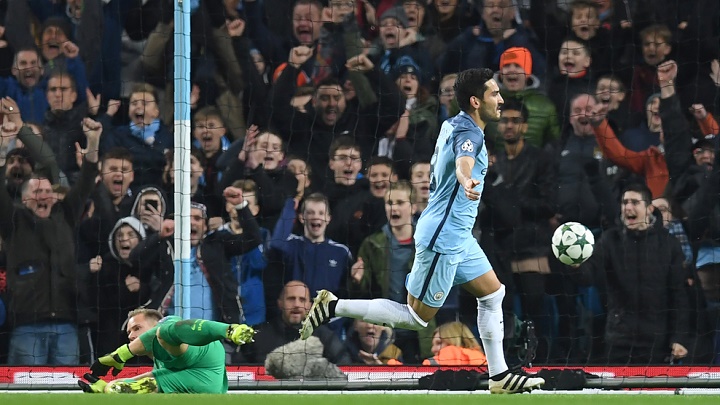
(518, 55)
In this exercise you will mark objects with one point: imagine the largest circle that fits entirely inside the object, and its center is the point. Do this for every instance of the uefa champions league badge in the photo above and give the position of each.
(467, 146)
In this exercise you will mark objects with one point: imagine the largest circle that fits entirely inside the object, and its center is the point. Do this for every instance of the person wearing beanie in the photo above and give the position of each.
(517, 82)
(398, 13)
(18, 168)
(519, 56)
(397, 41)
(415, 141)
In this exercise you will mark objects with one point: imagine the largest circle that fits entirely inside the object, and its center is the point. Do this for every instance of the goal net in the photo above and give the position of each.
(225, 160)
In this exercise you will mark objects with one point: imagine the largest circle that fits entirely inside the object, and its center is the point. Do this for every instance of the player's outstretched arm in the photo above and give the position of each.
(463, 172)
(116, 360)
(200, 332)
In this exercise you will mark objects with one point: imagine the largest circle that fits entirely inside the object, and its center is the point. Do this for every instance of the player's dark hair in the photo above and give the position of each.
(469, 83)
(515, 104)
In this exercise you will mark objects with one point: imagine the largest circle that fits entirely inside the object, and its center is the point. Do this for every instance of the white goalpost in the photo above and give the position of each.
(181, 168)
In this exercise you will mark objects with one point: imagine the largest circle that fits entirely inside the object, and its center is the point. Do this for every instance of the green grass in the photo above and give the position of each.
(383, 399)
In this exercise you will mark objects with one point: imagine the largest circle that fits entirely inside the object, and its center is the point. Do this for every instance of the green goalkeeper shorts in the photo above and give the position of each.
(201, 369)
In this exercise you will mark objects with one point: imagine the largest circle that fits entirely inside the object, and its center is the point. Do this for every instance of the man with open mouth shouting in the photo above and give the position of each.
(38, 239)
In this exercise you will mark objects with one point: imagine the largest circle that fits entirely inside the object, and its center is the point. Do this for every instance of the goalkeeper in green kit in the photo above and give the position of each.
(188, 356)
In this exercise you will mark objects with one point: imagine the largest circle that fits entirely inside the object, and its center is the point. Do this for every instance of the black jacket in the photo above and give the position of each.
(61, 130)
(115, 301)
(528, 182)
(274, 187)
(41, 273)
(216, 252)
(641, 275)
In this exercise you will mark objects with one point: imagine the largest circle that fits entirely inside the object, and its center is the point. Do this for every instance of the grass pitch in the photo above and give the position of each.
(335, 399)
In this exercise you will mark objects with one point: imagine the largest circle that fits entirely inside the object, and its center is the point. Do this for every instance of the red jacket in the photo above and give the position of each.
(649, 163)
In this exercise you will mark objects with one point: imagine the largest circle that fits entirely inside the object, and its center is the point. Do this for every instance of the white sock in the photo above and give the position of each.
(491, 327)
(381, 312)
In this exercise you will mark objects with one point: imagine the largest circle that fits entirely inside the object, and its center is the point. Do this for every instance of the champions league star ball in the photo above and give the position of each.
(572, 243)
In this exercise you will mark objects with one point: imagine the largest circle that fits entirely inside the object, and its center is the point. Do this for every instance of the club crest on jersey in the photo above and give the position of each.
(467, 146)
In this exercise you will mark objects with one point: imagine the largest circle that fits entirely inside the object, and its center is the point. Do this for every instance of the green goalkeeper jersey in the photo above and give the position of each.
(201, 369)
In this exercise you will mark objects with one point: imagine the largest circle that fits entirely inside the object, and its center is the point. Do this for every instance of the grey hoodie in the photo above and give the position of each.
(135, 224)
(150, 189)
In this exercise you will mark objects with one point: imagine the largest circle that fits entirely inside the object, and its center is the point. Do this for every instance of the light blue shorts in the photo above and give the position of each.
(434, 274)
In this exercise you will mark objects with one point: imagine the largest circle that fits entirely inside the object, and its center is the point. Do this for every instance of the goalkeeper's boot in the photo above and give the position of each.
(319, 313)
(240, 334)
(514, 382)
(145, 385)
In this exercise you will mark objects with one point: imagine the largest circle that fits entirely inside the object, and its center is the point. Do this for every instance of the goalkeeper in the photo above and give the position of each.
(188, 356)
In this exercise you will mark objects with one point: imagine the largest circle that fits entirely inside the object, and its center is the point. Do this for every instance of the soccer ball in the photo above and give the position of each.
(572, 243)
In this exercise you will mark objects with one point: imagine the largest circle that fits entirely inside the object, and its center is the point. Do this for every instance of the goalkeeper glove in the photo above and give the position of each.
(115, 361)
(240, 334)
(95, 386)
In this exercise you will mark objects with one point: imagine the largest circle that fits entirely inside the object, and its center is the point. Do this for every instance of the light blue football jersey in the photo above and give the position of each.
(445, 226)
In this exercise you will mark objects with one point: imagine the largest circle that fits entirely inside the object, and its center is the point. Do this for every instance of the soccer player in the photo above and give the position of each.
(446, 253)
(187, 354)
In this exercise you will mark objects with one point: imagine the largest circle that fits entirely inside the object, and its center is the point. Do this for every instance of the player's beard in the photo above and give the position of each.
(487, 115)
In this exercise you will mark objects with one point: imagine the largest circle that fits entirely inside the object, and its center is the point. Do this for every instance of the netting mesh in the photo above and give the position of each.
(313, 127)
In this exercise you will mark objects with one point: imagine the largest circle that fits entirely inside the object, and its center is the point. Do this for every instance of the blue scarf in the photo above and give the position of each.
(147, 132)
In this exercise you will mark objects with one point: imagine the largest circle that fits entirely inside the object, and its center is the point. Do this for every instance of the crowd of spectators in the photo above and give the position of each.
(314, 124)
